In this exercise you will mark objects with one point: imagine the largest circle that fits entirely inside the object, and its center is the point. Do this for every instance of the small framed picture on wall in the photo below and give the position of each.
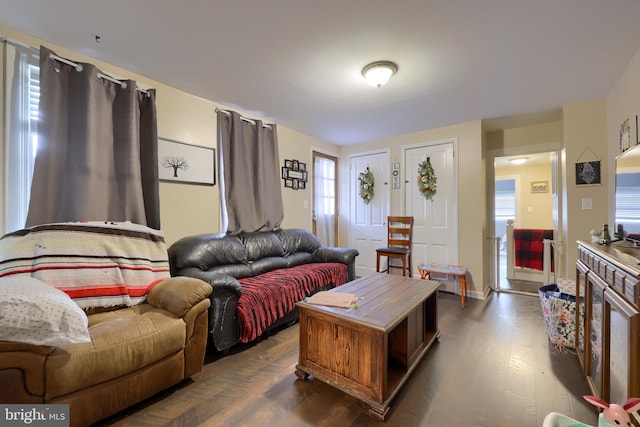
(588, 173)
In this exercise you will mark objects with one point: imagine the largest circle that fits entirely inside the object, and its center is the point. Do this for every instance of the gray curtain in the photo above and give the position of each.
(250, 174)
(97, 155)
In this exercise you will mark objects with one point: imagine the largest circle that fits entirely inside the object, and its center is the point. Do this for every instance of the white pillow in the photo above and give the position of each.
(34, 312)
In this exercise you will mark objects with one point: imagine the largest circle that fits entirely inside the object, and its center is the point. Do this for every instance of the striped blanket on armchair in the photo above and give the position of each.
(98, 264)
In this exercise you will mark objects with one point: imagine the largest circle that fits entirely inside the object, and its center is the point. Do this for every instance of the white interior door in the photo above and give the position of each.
(369, 221)
(435, 220)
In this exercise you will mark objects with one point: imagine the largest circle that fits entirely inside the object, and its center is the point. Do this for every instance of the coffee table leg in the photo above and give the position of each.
(379, 413)
(302, 374)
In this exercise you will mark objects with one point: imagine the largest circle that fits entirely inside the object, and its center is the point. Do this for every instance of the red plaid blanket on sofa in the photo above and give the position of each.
(269, 296)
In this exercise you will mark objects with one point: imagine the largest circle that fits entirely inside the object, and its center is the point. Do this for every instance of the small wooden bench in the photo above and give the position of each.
(427, 268)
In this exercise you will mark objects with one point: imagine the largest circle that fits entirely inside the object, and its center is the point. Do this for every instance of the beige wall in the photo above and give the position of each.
(471, 197)
(585, 136)
(298, 204)
(535, 208)
(187, 209)
(525, 136)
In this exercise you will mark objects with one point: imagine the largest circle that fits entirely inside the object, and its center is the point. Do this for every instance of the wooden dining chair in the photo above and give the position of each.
(399, 240)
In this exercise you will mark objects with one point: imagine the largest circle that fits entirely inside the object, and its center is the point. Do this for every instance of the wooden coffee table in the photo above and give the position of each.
(370, 351)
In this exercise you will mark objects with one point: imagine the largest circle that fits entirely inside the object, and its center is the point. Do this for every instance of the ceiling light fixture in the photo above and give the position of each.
(519, 160)
(378, 73)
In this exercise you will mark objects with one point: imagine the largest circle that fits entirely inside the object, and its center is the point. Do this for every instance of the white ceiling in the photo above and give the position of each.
(298, 62)
(532, 159)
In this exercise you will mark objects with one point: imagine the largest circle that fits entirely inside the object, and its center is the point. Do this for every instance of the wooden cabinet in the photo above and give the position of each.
(621, 321)
(608, 342)
(594, 308)
(581, 318)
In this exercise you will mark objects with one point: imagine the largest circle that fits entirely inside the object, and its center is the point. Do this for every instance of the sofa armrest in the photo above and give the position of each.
(15, 347)
(22, 372)
(345, 256)
(223, 319)
(178, 295)
(220, 282)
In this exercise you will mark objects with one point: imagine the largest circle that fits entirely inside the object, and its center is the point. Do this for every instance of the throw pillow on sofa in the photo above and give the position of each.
(34, 312)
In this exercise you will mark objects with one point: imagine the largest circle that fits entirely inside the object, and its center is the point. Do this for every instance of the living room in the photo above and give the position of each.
(571, 127)
(592, 122)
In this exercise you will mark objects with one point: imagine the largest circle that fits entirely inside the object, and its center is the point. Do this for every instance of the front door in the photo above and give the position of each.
(435, 220)
(368, 221)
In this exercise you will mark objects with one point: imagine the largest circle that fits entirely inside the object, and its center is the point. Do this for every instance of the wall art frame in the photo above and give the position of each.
(588, 173)
(294, 174)
(186, 163)
(540, 187)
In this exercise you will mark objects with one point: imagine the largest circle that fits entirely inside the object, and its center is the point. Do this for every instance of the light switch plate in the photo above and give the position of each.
(587, 204)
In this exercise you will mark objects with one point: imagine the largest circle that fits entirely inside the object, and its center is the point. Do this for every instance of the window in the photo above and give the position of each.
(628, 201)
(324, 178)
(505, 207)
(22, 74)
(505, 199)
(324, 198)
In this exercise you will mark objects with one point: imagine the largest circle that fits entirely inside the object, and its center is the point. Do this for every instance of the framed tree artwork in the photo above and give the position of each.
(186, 163)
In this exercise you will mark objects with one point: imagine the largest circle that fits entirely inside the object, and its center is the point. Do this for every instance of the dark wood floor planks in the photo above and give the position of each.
(493, 366)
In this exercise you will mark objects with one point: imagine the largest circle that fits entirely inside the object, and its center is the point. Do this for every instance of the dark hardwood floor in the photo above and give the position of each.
(493, 366)
(520, 286)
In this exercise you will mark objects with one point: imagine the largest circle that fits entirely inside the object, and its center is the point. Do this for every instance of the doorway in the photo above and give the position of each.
(524, 193)
(325, 195)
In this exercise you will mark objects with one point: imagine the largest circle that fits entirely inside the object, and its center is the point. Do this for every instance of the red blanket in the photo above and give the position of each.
(269, 296)
(529, 248)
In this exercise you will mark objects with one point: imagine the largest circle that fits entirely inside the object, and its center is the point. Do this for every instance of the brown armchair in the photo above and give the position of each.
(134, 352)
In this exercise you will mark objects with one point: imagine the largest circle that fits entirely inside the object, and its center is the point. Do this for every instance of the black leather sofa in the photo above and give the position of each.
(283, 259)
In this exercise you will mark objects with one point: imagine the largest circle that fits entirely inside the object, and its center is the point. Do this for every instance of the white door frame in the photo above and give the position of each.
(559, 256)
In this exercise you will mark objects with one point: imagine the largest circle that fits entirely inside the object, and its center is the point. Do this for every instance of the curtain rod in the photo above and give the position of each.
(34, 50)
(79, 67)
(253, 122)
(16, 42)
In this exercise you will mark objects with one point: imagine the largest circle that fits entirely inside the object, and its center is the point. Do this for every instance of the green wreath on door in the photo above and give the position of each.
(366, 185)
(427, 180)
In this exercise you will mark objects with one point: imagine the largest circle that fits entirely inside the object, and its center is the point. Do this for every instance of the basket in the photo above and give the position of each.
(559, 310)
